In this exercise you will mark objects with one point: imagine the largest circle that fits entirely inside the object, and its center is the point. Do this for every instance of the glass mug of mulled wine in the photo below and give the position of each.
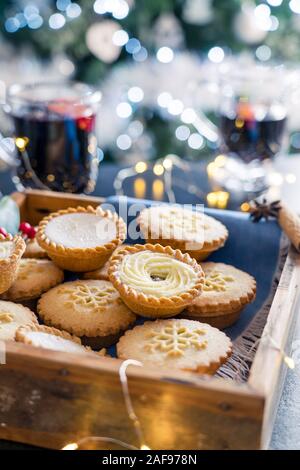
(55, 146)
(252, 125)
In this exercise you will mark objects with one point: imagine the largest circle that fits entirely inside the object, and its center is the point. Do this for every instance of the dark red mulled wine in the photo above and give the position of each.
(251, 136)
(58, 150)
(54, 135)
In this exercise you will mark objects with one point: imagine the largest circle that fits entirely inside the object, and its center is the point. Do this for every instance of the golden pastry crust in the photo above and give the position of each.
(22, 336)
(12, 316)
(226, 292)
(214, 237)
(102, 273)
(176, 344)
(34, 277)
(150, 305)
(89, 308)
(9, 265)
(33, 250)
(81, 259)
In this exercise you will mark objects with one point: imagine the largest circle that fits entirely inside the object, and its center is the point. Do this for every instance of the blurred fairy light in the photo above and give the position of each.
(57, 21)
(290, 178)
(137, 427)
(168, 162)
(158, 169)
(120, 38)
(22, 20)
(141, 167)
(21, 143)
(218, 199)
(133, 46)
(66, 67)
(188, 116)
(245, 207)
(164, 99)
(263, 53)
(275, 3)
(12, 25)
(182, 133)
(216, 54)
(175, 107)
(214, 166)
(35, 22)
(195, 141)
(71, 446)
(62, 4)
(165, 55)
(30, 10)
(135, 129)
(135, 94)
(124, 110)
(275, 178)
(29, 17)
(118, 8)
(262, 10)
(295, 6)
(73, 10)
(124, 142)
(262, 13)
(140, 55)
(99, 7)
(289, 362)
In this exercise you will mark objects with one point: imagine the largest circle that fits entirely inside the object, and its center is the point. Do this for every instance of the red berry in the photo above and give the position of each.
(25, 228)
(31, 233)
(3, 231)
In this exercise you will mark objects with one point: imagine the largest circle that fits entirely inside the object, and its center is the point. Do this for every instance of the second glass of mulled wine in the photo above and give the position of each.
(252, 124)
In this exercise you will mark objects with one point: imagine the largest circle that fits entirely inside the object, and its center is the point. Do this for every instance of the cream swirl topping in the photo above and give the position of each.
(6, 249)
(156, 274)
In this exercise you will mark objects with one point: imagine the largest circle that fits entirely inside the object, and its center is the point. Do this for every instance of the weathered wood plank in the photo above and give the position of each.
(53, 399)
(268, 371)
(40, 203)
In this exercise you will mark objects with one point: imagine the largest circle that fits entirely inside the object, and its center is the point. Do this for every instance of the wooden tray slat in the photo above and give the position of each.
(34, 204)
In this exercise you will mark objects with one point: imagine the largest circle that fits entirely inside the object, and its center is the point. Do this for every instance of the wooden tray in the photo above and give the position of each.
(50, 398)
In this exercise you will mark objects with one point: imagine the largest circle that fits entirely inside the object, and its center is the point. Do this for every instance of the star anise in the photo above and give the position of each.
(264, 209)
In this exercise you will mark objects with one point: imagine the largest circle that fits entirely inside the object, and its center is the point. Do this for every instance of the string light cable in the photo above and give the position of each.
(131, 414)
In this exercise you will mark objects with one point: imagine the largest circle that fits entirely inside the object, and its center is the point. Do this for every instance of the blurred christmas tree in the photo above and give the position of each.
(50, 26)
(101, 40)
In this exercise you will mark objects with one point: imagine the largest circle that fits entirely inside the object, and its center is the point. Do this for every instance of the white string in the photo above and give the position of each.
(130, 411)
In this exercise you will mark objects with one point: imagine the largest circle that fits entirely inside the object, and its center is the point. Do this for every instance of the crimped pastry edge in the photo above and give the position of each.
(101, 274)
(33, 320)
(155, 238)
(209, 369)
(90, 332)
(9, 265)
(33, 293)
(20, 336)
(128, 292)
(19, 249)
(60, 250)
(230, 306)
